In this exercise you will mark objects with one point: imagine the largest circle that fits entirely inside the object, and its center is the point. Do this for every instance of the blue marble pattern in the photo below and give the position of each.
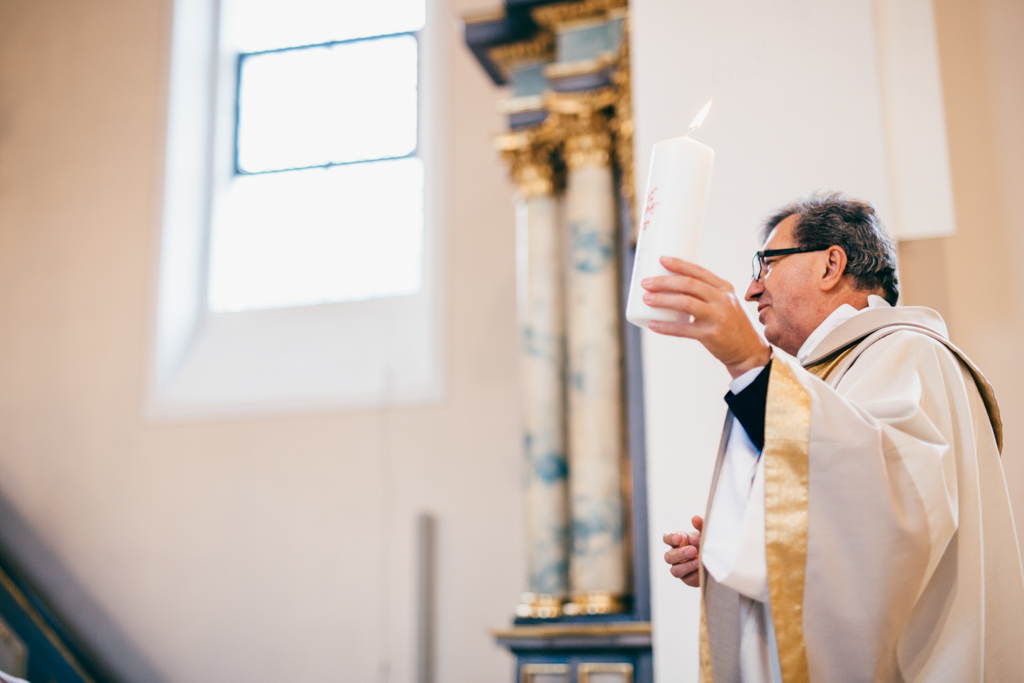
(593, 249)
(595, 403)
(542, 345)
(550, 468)
(595, 521)
(542, 333)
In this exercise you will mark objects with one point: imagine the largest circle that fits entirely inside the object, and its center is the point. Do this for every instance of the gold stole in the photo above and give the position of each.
(787, 433)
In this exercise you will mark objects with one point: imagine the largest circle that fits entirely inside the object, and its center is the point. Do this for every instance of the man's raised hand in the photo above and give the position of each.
(684, 554)
(719, 321)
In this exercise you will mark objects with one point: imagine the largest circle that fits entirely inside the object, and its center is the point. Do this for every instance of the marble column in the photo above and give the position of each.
(597, 569)
(541, 314)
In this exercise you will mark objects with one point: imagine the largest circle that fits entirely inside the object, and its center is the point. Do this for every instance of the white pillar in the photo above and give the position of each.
(597, 571)
(540, 280)
(542, 332)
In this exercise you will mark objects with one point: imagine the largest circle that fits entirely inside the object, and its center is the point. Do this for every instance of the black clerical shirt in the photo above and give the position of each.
(749, 405)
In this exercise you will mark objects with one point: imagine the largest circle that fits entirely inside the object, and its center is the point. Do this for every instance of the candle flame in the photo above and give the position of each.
(699, 119)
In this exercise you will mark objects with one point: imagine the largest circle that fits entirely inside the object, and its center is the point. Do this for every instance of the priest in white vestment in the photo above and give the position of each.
(859, 526)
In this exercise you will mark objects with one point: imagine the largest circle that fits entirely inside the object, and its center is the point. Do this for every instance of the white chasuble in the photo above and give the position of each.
(889, 546)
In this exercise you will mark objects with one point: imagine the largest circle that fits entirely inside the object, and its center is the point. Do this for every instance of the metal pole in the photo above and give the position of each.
(426, 536)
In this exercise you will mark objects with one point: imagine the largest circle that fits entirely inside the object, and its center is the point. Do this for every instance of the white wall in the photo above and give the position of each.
(796, 108)
(256, 549)
(973, 278)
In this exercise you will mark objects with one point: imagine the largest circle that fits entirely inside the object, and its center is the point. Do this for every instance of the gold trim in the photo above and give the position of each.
(511, 142)
(622, 628)
(824, 367)
(529, 156)
(706, 674)
(588, 150)
(540, 606)
(581, 67)
(539, 48)
(580, 103)
(580, 24)
(594, 602)
(517, 105)
(787, 433)
(565, 12)
(581, 119)
(37, 619)
(527, 671)
(584, 669)
(483, 16)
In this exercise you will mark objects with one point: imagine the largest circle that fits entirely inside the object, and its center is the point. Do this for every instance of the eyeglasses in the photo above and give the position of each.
(759, 264)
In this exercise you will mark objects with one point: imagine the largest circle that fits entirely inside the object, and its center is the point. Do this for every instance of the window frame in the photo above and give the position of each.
(242, 56)
(311, 359)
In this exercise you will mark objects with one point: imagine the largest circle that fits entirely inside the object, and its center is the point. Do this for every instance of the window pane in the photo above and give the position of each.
(255, 25)
(324, 105)
(318, 236)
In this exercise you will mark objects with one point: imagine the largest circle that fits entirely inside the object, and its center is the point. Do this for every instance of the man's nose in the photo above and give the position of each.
(755, 290)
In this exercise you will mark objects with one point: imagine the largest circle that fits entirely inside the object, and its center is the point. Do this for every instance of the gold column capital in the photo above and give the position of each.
(585, 125)
(590, 145)
(529, 154)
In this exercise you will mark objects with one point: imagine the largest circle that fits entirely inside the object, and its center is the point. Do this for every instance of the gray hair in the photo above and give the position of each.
(832, 219)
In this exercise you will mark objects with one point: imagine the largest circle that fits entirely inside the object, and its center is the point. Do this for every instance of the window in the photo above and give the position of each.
(311, 231)
(320, 105)
(303, 198)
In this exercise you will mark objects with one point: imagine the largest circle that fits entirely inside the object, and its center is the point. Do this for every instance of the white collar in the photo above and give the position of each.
(834, 320)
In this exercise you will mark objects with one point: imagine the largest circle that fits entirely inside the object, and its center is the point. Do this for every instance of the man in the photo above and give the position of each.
(859, 526)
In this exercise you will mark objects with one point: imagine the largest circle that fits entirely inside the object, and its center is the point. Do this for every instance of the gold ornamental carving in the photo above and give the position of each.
(592, 127)
(540, 606)
(580, 103)
(484, 16)
(590, 146)
(562, 13)
(584, 125)
(516, 105)
(594, 602)
(530, 156)
(540, 48)
(581, 67)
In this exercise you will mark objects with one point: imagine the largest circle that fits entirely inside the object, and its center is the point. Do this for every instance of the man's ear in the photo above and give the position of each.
(835, 268)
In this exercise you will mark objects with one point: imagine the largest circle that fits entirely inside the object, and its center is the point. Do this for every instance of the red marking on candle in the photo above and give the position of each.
(649, 209)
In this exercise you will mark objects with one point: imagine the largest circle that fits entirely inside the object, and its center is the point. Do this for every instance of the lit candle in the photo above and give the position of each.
(677, 193)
